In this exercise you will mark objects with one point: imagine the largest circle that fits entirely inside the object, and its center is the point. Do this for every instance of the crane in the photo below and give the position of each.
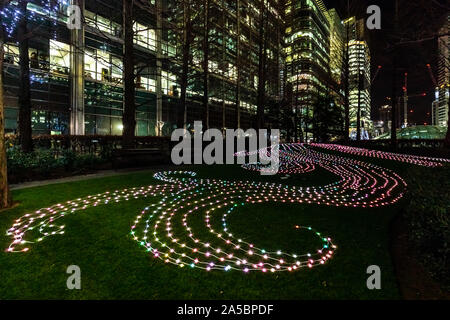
(376, 74)
(405, 101)
(436, 86)
(406, 97)
(432, 76)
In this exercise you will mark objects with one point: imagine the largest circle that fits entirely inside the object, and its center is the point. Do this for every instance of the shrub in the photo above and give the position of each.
(46, 161)
(427, 215)
(68, 159)
(18, 160)
(87, 161)
(42, 162)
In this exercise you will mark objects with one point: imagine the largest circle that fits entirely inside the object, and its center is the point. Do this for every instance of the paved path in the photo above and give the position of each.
(100, 174)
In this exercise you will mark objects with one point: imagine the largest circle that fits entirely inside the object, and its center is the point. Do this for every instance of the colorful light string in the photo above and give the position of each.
(166, 231)
(407, 158)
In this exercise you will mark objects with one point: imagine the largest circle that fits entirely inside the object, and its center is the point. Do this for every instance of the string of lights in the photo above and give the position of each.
(294, 161)
(167, 231)
(417, 160)
(50, 10)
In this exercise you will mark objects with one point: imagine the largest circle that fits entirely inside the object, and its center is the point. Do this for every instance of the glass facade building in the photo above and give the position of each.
(307, 49)
(440, 107)
(337, 38)
(360, 79)
(77, 75)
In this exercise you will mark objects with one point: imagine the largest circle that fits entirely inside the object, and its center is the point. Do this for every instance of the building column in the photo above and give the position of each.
(159, 55)
(77, 77)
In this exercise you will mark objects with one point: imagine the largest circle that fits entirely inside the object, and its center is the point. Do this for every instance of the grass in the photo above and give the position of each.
(113, 266)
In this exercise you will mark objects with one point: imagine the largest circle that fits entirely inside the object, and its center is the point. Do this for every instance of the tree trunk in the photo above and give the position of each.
(238, 66)
(25, 133)
(346, 65)
(5, 196)
(261, 70)
(224, 120)
(358, 114)
(187, 33)
(206, 63)
(447, 137)
(299, 124)
(294, 106)
(129, 112)
(394, 105)
(394, 86)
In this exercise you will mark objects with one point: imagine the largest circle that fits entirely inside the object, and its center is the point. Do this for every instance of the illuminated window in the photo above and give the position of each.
(213, 66)
(149, 84)
(90, 64)
(100, 23)
(59, 57)
(102, 66)
(169, 84)
(116, 69)
(11, 54)
(232, 72)
(60, 12)
(145, 36)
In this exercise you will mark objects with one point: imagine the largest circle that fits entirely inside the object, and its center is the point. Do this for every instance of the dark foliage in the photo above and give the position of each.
(328, 120)
(428, 218)
(63, 155)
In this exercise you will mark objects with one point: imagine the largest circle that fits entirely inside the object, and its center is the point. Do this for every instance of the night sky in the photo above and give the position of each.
(418, 19)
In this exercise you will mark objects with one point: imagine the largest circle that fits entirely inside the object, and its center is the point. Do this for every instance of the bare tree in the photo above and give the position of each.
(346, 82)
(238, 64)
(186, 57)
(206, 26)
(23, 35)
(129, 111)
(394, 83)
(261, 66)
(5, 196)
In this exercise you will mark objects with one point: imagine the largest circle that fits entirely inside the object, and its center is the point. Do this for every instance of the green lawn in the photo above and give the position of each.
(114, 266)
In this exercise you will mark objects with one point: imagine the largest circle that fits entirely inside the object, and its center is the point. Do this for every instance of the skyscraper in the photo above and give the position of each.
(337, 35)
(307, 48)
(360, 80)
(440, 108)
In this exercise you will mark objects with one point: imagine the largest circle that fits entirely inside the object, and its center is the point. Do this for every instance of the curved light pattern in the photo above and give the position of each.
(292, 160)
(45, 221)
(417, 160)
(166, 231)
